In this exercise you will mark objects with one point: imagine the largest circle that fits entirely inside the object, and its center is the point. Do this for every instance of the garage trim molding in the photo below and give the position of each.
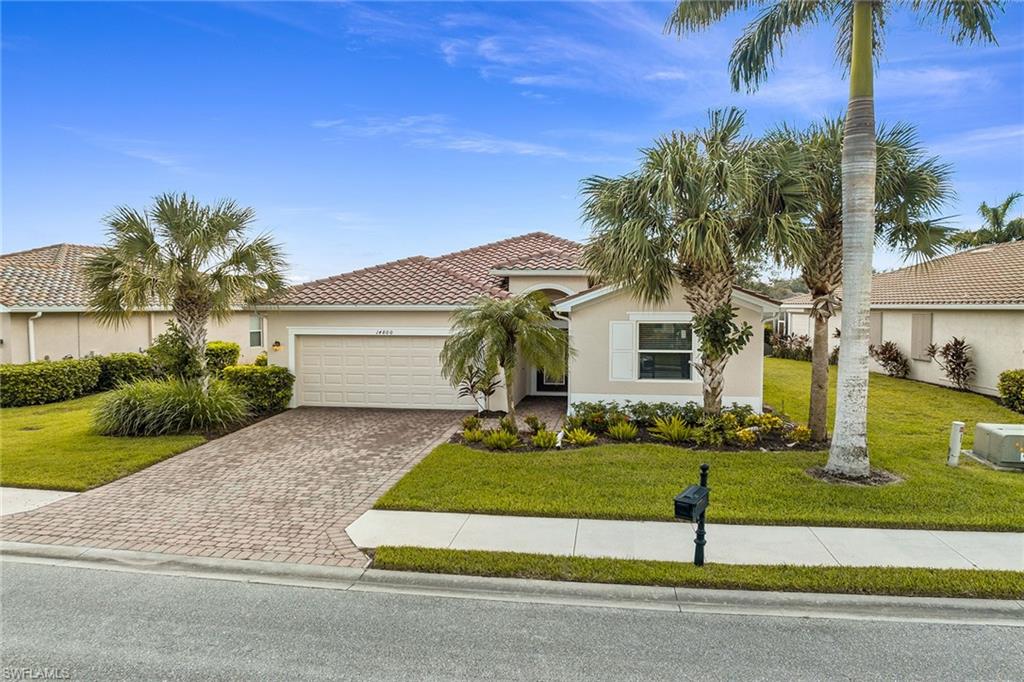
(354, 331)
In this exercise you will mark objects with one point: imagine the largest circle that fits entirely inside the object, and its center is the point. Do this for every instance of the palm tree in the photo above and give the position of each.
(860, 31)
(496, 333)
(699, 204)
(909, 188)
(193, 259)
(997, 229)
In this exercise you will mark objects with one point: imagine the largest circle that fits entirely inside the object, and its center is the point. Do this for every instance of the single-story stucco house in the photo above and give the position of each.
(977, 295)
(371, 338)
(44, 312)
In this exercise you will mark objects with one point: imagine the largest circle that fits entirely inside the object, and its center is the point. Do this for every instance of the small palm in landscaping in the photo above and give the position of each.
(194, 259)
(671, 429)
(501, 440)
(496, 333)
(545, 440)
(579, 437)
(623, 430)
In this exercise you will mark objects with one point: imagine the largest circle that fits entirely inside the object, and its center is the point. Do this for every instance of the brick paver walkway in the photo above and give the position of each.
(281, 490)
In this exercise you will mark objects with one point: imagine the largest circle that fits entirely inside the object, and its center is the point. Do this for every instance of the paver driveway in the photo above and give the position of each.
(281, 490)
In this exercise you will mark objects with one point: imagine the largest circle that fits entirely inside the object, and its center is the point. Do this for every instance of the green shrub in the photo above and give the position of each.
(261, 360)
(891, 358)
(671, 430)
(221, 354)
(535, 424)
(473, 435)
(746, 437)
(623, 431)
(573, 421)
(500, 439)
(544, 439)
(171, 354)
(37, 383)
(470, 423)
(265, 389)
(124, 368)
(579, 437)
(508, 426)
(157, 407)
(1011, 389)
(800, 434)
(765, 423)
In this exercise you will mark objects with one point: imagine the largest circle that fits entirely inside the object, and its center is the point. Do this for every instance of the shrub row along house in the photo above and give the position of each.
(372, 337)
(44, 312)
(975, 295)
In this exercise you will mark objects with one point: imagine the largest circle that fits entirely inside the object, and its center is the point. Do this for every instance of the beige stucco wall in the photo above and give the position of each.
(801, 324)
(520, 283)
(58, 335)
(589, 372)
(997, 338)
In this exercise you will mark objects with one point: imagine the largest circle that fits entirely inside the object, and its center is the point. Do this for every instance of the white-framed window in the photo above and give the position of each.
(255, 331)
(664, 351)
(552, 382)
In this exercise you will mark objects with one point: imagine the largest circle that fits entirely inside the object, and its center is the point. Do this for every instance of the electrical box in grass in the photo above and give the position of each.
(1001, 444)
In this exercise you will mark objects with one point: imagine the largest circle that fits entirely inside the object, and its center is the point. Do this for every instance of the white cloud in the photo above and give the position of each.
(671, 75)
(436, 131)
(1008, 138)
(142, 149)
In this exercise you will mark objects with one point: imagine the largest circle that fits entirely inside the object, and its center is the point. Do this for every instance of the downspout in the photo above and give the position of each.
(32, 336)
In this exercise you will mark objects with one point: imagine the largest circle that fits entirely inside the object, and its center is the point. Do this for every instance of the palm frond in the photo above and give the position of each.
(755, 51)
(966, 21)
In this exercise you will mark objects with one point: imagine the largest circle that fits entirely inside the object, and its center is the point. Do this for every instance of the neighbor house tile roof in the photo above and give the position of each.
(452, 279)
(552, 259)
(987, 275)
(46, 277)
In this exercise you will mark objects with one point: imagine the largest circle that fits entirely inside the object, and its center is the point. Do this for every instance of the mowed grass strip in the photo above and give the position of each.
(909, 431)
(53, 447)
(912, 582)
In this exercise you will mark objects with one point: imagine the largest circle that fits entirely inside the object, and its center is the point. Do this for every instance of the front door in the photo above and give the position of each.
(549, 386)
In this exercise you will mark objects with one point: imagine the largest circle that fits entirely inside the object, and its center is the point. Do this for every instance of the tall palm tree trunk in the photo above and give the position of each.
(817, 418)
(192, 312)
(848, 455)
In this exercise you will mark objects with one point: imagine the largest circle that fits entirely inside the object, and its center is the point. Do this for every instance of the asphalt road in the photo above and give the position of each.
(94, 624)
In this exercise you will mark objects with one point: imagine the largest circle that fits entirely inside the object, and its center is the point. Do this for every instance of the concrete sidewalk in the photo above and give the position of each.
(664, 541)
(16, 500)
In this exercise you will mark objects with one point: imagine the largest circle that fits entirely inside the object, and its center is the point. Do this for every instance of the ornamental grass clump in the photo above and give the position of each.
(544, 440)
(473, 435)
(500, 439)
(154, 407)
(671, 430)
(623, 431)
(579, 437)
(470, 423)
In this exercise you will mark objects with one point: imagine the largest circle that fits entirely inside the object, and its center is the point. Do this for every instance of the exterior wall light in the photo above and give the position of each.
(276, 346)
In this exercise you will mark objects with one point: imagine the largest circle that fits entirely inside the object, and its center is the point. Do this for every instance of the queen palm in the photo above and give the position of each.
(195, 260)
(909, 188)
(699, 204)
(859, 37)
(495, 334)
(997, 229)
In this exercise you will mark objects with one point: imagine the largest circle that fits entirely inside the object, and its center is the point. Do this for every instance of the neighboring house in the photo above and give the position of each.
(44, 312)
(977, 295)
(371, 338)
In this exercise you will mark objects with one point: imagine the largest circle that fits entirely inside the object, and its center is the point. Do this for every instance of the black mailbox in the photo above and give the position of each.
(691, 503)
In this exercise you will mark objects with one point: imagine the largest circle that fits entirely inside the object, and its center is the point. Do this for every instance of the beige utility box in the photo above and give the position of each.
(1000, 444)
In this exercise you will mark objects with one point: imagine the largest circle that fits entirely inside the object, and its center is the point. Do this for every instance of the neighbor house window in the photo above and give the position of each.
(920, 336)
(665, 350)
(255, 331)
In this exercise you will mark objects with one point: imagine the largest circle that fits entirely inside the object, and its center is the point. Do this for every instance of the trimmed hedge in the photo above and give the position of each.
(1011, 389)
(221, 354)
(267, 389)
(37, 383)
(124, 368)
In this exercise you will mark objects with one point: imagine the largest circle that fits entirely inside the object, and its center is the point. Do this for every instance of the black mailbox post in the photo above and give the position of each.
(690, 505)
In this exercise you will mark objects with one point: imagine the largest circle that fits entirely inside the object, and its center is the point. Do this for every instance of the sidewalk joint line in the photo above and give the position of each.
(822, 543)
(952, 548)
(461, 526)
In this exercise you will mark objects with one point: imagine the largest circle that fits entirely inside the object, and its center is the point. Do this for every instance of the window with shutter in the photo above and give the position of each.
(920, 336)
(665, 350)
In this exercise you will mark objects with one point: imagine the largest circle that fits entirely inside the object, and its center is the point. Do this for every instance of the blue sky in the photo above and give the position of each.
(366, 132)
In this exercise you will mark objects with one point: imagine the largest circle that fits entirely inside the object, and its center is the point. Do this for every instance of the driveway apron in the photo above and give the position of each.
(280, 490)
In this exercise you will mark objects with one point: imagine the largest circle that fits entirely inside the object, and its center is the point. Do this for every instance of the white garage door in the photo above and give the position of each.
(373, 371)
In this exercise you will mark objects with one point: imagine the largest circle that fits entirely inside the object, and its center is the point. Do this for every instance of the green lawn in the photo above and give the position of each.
(53, 446)
(909, 427)
(914, 582)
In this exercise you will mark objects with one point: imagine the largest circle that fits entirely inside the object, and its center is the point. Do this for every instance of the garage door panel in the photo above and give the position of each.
(373, 371)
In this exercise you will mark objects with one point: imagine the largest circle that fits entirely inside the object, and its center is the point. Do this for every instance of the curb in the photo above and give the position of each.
(684, 600)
